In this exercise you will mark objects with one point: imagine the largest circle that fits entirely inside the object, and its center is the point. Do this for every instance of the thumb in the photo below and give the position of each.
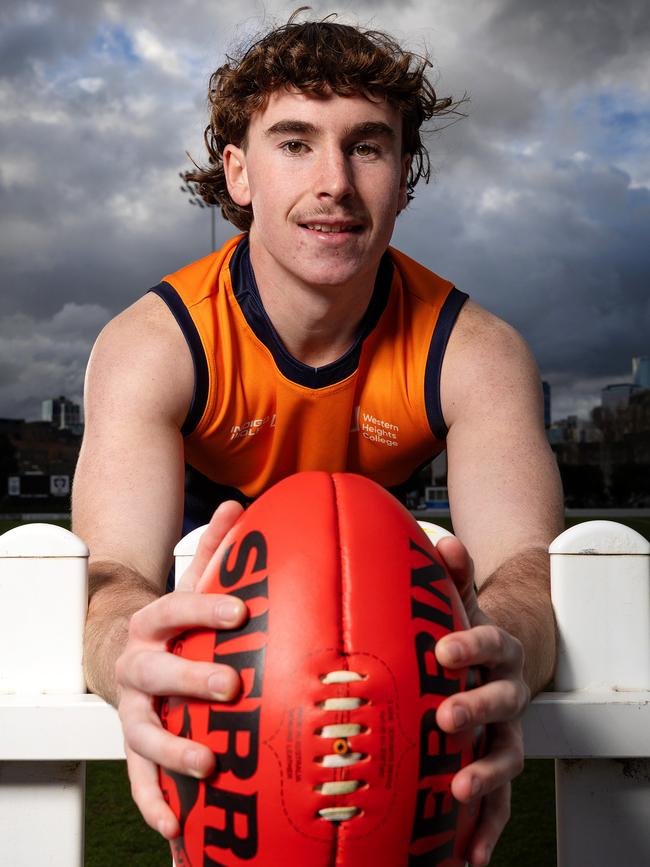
(461, 570)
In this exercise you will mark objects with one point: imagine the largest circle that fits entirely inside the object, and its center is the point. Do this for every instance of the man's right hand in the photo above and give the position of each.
(147, 670)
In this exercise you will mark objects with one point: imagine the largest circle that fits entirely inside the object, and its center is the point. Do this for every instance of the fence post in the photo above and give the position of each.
(600, 582)
(434, 532)
(185, 551)
(43, 593)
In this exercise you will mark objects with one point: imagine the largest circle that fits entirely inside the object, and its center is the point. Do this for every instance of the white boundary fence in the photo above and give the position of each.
(596, 726)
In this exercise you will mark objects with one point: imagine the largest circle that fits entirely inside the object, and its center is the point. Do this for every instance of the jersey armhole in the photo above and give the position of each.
(182, 316)
(446, 320)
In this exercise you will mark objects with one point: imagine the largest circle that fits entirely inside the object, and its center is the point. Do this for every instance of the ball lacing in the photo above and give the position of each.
(342, 755)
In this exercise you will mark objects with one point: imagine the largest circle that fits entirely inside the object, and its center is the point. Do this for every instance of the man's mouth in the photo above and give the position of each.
(333, 228)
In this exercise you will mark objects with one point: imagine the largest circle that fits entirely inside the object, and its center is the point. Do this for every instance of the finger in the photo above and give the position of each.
(144, 734)
(494, 815)
(485, 645)
(173, 613)
(222, 520)
(156, 673)
(494, 702)
(461, 570)
(145, 790)
(503, 762)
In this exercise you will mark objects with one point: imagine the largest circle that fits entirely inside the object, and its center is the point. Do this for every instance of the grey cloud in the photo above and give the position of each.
(41, 358)
(567, 42)
(523, 210)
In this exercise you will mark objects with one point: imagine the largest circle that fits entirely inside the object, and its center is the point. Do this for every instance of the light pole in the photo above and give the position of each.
(192, 189)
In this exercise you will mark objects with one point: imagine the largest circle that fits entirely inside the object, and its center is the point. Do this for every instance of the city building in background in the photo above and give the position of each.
(641, 371)
(62, 413)
(614, 396)
(38, 458)
(605, 460)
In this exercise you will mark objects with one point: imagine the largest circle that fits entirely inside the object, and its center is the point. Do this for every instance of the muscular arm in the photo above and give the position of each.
(504, 486)
(127, 494)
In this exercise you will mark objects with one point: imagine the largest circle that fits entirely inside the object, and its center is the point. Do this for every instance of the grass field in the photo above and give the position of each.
(116, 834)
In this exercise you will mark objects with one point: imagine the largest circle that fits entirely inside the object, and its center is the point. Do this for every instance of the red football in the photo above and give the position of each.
(332, 756)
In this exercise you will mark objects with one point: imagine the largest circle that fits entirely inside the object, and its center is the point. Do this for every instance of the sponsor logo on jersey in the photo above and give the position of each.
(251, 428)
(377, 430)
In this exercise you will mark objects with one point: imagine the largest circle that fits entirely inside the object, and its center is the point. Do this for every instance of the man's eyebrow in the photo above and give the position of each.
(367, 128)
(293, 127)
(372, 128)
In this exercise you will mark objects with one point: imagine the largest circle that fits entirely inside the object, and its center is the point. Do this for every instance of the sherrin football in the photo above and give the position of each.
(332, 756)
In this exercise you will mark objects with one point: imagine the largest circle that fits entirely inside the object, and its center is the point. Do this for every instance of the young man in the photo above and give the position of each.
(260, 360)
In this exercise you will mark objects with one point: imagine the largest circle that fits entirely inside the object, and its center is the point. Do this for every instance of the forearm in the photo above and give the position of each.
(115, 594)
(517, 596)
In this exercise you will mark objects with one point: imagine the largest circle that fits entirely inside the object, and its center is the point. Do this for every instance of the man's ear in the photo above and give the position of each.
(234, 166)
(402, 201)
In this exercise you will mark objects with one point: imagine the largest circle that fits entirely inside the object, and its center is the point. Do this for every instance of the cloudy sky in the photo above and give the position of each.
(539, 205)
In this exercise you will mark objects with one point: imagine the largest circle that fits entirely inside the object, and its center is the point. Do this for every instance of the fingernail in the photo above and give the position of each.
(454, 651)
(460, 716)
(229, 610)
(219, 683)
(488, 854)
(192, 764)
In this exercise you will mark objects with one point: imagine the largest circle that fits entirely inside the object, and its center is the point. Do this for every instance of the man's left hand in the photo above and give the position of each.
(499, 702)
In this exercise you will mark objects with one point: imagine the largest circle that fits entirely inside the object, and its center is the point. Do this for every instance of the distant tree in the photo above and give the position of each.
(583, 485)
(631, 484)
(8, 458)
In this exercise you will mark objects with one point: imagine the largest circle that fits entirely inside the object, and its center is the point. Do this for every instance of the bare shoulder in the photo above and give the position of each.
(487, 360)
(142, 359)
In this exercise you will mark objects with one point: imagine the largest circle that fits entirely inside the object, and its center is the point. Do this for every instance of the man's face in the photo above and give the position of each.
(326, 178)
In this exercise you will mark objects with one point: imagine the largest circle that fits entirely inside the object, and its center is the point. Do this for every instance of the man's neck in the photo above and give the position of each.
(316, 323)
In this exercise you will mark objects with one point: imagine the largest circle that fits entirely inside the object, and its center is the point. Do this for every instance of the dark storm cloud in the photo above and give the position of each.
(559, 41)
(538, 204)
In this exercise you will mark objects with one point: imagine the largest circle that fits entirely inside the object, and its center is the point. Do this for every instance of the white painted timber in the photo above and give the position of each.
(44, 598)
(600, 585)
(185, 550)
(433, 531)
(59, 727)
(42, 814)
(587, 724)
(555, 725)
(44, 593)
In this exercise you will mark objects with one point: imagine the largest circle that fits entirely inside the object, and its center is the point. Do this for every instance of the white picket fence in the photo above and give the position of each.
(596, 726)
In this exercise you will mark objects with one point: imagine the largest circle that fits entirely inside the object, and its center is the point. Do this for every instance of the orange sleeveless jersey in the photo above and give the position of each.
(259, 415)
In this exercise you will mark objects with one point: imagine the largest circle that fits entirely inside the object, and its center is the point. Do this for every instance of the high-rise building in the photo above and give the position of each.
(641, 371)
(614, 396)
(62, 413)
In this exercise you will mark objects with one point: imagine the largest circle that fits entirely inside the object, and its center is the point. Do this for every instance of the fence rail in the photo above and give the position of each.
(596, 726)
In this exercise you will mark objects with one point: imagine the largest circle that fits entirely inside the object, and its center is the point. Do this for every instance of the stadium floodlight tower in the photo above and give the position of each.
(191, 188)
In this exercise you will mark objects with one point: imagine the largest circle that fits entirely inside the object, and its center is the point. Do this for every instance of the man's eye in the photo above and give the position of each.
(293, 147)
(366, 150)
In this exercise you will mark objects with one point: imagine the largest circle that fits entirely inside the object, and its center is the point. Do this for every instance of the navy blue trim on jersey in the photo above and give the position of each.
(448, 315)
(181, 314)
(248, 297)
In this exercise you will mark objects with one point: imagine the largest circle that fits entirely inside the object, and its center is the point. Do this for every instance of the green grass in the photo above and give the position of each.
(116, 834)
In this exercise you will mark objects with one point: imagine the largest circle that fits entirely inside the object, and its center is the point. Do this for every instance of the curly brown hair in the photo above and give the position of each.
(316, 57)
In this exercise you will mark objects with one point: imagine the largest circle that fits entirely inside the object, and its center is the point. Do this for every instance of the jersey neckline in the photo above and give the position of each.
(247, 295)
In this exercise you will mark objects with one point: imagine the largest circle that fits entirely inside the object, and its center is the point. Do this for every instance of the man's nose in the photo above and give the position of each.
(334, 175)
